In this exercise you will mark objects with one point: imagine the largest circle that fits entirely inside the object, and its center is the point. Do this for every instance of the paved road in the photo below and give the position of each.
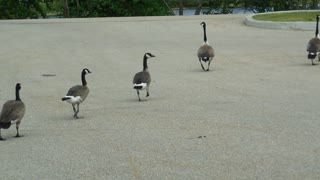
(254, 116)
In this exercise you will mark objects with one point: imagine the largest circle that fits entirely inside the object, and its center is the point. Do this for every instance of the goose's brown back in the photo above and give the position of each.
(79, 90)
(314, 45)
(205, 51)
(142, 77)
(12, 110)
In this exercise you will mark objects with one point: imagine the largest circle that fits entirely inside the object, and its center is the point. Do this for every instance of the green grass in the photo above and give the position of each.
(288, 17)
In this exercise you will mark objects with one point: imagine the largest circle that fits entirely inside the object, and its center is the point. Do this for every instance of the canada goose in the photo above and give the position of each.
(205, 52)
(77, 94)
(142, 79)
(12, 112)
(313, 47)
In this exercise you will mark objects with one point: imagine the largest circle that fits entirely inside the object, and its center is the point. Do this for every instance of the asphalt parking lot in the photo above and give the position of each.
(255, 115)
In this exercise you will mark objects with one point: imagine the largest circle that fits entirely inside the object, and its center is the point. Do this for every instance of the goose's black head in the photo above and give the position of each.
(86, 71)
(149, 55)
(318, 17)
(18, 86)
(203, 24)
(145, 57)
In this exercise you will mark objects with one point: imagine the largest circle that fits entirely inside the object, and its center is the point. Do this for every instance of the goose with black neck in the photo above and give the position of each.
(77, 94)
(12, 112)
(205, 52)
(313, 46)
(142, 79)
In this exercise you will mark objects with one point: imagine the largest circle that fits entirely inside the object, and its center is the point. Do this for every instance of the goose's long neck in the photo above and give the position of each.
(317, 27)
(145, 64)
(204, 34)
(17, 95)
(83, 78)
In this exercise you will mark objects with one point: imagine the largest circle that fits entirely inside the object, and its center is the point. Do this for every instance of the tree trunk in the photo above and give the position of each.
(225, 5)
(66, 9)
(314, 4)
(199, 7)
(180, 7)
(168, 7)
(78, 7)
(295, 4)
(304, 4)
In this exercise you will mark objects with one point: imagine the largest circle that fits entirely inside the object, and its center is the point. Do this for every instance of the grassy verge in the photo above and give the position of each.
(288, 17)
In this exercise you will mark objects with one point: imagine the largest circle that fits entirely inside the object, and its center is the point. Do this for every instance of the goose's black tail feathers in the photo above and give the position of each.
(205, 59)
(137, 87)
(311, 56)
(5, 125)
(65, 98)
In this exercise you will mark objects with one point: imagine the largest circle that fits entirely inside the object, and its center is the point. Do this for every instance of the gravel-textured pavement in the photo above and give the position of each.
(255, 115)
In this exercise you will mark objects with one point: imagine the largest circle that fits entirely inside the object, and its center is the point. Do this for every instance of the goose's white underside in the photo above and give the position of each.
(144, 86)
(73, 100)
(14, 122)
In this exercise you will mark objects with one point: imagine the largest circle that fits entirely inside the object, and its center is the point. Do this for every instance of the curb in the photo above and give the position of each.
(304, 26)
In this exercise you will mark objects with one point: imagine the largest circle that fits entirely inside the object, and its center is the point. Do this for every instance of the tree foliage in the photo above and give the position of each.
(257, 5)
(103, 8)
(21, 9)
(263, 5)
